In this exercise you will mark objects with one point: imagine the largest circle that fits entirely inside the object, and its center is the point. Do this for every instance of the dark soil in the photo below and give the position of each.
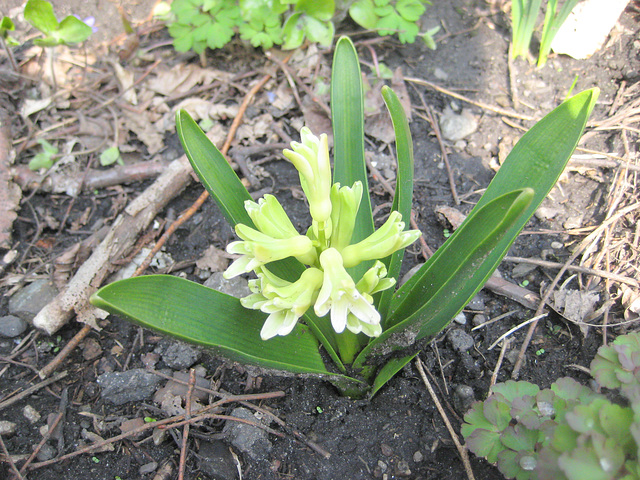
(399, 433)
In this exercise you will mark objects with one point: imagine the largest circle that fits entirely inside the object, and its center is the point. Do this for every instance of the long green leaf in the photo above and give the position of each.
(347, 114)
(403, 199)
(535, 162)
(229, 193)
(388, 371)
(203, 316)
(452, 279)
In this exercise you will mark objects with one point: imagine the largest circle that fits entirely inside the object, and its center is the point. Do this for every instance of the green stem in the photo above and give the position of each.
(348, 346)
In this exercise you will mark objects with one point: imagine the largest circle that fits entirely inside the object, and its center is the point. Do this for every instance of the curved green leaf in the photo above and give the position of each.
(536, 162)
(449, 282)
(403, 199)
(39, 13)
(347, 114)
(388, 371)
(200, 315)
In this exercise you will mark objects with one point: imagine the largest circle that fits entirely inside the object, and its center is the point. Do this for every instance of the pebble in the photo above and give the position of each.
(460, 340)
(479, 319)
(387, 451)
(47, 452)
(463, 398)
(440, 74)
(31, 414)
(476, 303)
(31, 299)
(179, 356)
(522, 269)
(403, 468)
(147, 468)
(460, 318)
(215, 460)
(130, 386)
(455, 126)
(7, 428)
(250, 440)
(418, 456)
(557, 245)
(237, 286)
(12, 326)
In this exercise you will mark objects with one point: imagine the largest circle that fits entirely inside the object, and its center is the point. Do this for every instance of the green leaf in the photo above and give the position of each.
(410, 10)
(71, 30)
(39, 13)
(6, 25)
(320, 10)
(402, 202)
(318, 31)
(535, 163)
(293, 32)
(449, 281)
(110, 156)
(200, 315)
(361, 12)
(485, 443)
(388, 371)
(347, 115)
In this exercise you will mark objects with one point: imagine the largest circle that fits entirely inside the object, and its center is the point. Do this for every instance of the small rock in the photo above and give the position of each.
(147, 468)
(91, 349)
(382, 465)
(440, 74)
(460, 340)
(12, 326)
(236, 286)
(31, 299)
(418, 456)
(522, 269)
(7, 428)
(31, 414)
(132, 424)
(463, 398)
(460, 318)
(130, 386)
(403, 468)
(546, 213)
(179, 355)
(47, 452)
(557, 245)
(250, 440)
(476, 303)
(216, 461)
(479, 319)
(455, 126)
(387, 451)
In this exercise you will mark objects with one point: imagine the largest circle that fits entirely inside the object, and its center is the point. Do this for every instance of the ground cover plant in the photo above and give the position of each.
(198, 24)
(567, 431)
(372, 331)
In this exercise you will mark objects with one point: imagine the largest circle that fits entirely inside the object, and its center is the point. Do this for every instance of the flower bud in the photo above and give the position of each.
(345, 202)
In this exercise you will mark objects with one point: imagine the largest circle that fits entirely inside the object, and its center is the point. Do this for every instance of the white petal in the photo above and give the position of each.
(238, 267)
(339, 312)
(272, 325)
(289, 322)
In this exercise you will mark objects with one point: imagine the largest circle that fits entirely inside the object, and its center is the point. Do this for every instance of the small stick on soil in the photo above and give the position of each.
(503, 350)
(53, 365)
(30, 390)
(462, 449)
(185, 430)
(484, 106)
(58, 418)
(512, 79)
(575, 268)
(12, 465)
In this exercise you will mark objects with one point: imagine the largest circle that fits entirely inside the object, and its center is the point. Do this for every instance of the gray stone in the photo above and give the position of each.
(479, 319)
(47, 452)
(460, 340)
(7, 428)
(179, 355)
(463, 398)
(250, 440)
(418, 456)
(460, 318)
(31, 299)
(12, 326)
(216, 461)
(236, 286)
(130, 386)
(455, 126)
(476, 303)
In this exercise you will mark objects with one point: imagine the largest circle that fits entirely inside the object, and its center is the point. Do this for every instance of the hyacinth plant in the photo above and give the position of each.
(324, 301)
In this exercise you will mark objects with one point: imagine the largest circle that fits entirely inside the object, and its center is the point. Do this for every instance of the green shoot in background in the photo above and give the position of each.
(332, 285)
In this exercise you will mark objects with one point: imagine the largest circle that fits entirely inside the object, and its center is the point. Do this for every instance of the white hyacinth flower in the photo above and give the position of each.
(339, 295)
(311, 159)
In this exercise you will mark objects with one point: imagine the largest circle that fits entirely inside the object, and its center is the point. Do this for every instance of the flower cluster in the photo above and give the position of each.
(325, 249)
